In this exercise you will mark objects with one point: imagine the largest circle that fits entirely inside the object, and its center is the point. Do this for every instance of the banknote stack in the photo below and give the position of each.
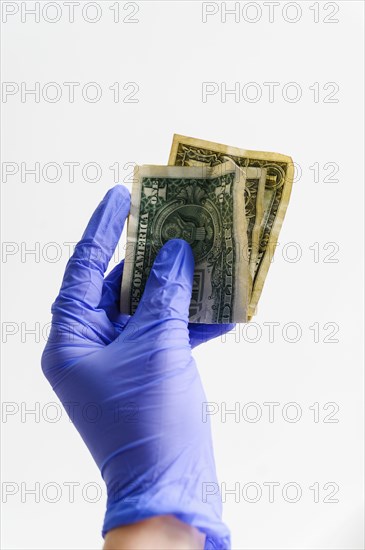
(228, 204)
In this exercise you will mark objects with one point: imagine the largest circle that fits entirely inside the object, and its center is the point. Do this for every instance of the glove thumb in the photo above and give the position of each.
(167, 293)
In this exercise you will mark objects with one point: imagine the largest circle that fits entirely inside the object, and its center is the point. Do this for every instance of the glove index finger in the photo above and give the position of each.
(84, 275)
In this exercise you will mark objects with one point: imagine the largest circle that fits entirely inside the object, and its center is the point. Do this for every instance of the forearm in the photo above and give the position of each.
(157, 533)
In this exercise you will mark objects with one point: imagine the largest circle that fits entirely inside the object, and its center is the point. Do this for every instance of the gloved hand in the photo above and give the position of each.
(136, 384)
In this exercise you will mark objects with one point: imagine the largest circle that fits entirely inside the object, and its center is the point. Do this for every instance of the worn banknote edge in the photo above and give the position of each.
(234, 151)
(260, 175)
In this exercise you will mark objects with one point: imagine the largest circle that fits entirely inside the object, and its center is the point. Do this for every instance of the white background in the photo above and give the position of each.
(169, 53)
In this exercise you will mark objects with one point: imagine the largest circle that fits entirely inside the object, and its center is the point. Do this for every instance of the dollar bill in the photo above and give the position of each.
(205, 206)
(265, 203)
(254, 207)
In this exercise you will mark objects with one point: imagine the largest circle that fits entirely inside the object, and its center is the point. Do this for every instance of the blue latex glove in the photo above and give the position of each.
(136, 384)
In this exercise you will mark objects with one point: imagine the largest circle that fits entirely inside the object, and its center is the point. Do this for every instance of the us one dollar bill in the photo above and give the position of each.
(203, 204)
(266, 198)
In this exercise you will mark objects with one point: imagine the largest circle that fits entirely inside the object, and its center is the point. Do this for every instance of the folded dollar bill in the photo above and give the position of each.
(203, 205)
(228, 204)
(266, 199)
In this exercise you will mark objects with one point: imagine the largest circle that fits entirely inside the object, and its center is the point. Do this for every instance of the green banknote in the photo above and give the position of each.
(266, 198)
(204, 205)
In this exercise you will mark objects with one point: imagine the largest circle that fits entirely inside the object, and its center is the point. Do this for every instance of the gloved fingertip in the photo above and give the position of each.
(175, 255)
(119, 194)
